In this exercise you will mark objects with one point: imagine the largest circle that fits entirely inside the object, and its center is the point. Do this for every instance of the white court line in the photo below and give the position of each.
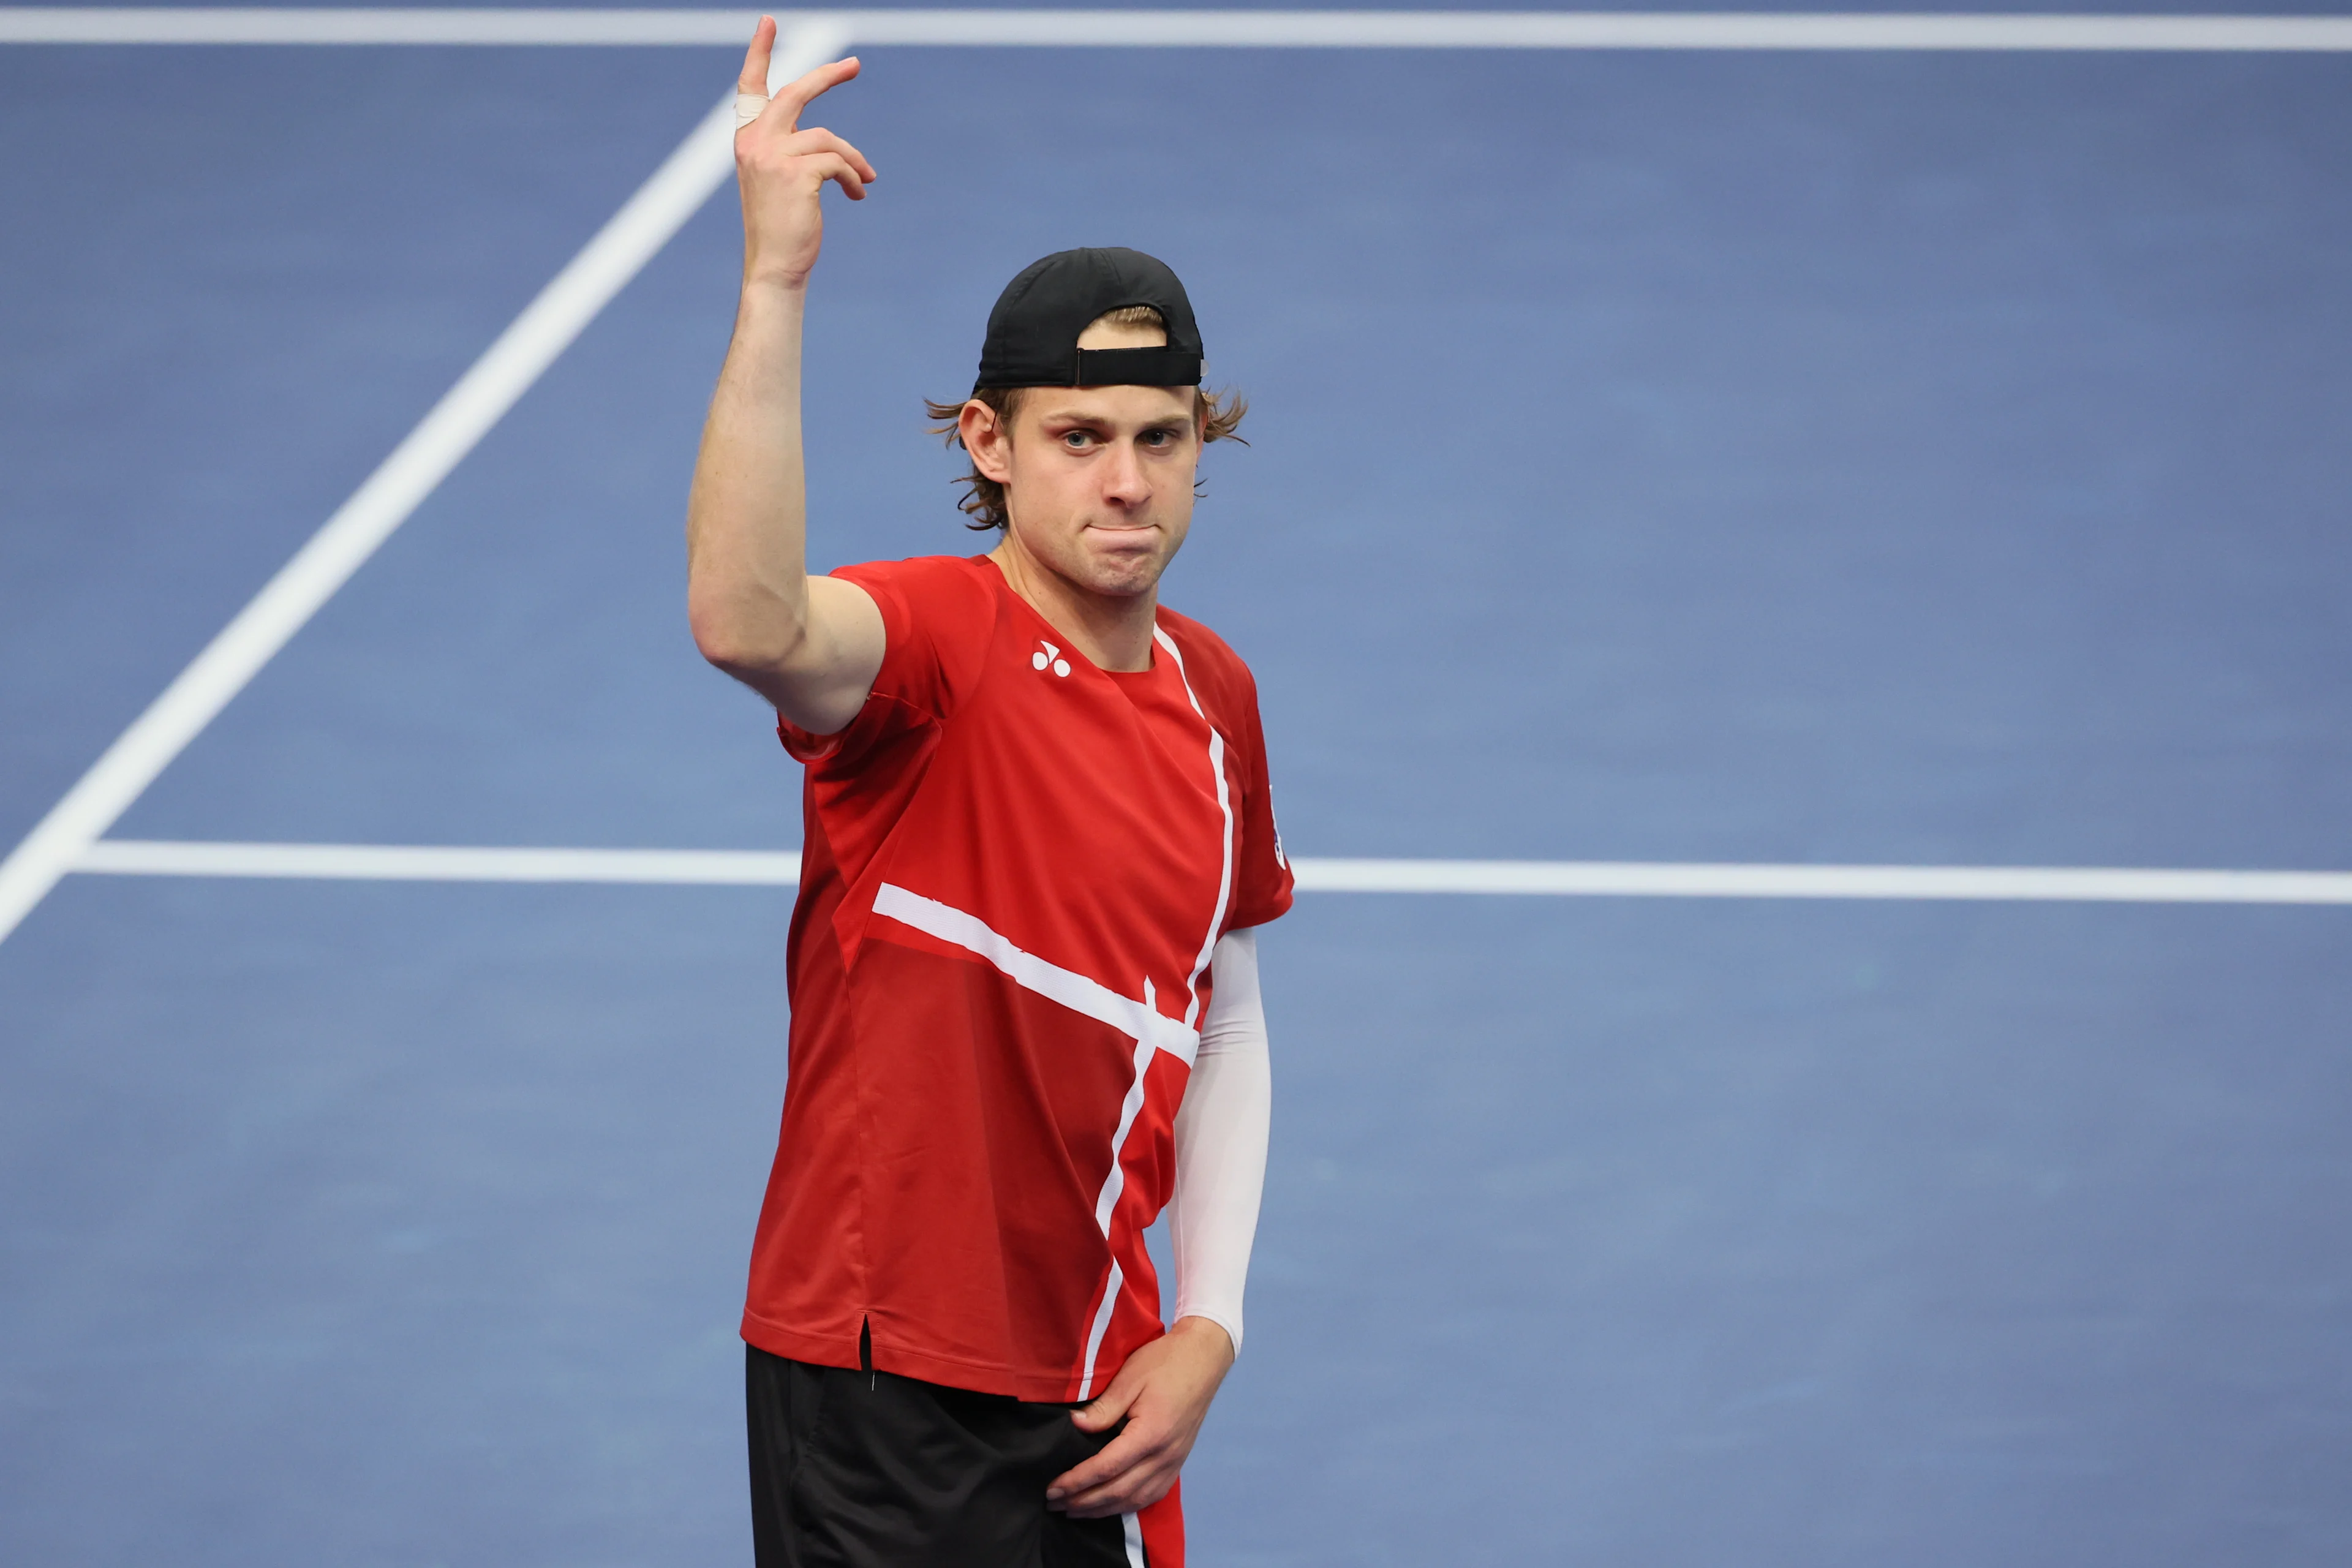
(1240, 29)
(442, 863)
(64, 837)
(1603, 878)
(384, 500)
(1694, 880)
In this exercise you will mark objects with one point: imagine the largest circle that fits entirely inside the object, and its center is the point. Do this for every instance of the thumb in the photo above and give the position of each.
(1104, 1413)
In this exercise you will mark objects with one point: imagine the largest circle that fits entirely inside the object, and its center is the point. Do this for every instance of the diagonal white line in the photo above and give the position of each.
(1110, 1304)
(1585, 878)
(1142, 1022)
(384, 500)
(1224, 809)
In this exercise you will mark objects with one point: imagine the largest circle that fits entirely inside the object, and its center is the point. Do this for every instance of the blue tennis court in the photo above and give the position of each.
(1882, 458)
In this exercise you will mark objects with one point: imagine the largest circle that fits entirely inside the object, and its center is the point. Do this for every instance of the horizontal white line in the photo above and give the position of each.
(366, 25)
(1596, 30)
(1243, 29)
(1699, 880)
(441, 863)
(1617, 879)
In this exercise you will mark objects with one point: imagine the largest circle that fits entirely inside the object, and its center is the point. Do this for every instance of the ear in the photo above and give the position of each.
(987, 439)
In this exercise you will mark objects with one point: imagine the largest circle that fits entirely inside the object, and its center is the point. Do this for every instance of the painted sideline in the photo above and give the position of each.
(441, 863)
(1231, 29)
(64, 837)
(1606, 879)
(384, 500)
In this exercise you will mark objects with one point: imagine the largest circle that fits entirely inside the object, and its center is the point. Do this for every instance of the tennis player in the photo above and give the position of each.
(1023, 965)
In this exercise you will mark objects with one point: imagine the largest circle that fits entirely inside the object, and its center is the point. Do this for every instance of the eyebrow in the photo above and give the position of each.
(1073, 416)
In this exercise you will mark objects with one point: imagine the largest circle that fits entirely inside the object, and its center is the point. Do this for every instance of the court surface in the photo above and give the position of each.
(1788, 457)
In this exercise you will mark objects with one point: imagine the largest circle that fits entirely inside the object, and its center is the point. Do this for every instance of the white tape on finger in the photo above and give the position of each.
(748, 106)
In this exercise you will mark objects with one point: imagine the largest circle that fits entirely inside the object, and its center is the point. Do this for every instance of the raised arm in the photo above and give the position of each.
(810, 646)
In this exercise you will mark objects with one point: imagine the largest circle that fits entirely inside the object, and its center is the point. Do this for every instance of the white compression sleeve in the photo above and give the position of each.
(1220, 1132)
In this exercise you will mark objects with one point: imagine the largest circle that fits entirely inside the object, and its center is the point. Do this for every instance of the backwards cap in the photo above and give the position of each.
(1033, 332)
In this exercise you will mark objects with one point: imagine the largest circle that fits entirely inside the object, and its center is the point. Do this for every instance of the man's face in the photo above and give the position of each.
(1098, 479)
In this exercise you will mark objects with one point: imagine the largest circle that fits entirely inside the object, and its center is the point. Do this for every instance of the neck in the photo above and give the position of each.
(1113, 631)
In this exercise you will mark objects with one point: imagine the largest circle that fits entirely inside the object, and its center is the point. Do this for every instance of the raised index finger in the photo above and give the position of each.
(797, 96)
(754, 78)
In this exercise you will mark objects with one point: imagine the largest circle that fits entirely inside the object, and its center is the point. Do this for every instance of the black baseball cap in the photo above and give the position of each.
(1033, 332)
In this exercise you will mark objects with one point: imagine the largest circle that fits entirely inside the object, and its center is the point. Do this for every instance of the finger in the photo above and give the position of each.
(755, 60)
(816, 139)
(1113, 1401)
(811, 85)
(1139, 1488)
(1119, 1456)
(834, 167)
(1099, 1416)
(1134, 1500)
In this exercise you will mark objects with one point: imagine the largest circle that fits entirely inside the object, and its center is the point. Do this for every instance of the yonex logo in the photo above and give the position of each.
(1051, 658)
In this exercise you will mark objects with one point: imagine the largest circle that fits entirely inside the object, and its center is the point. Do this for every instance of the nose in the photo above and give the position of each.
(1123, 481)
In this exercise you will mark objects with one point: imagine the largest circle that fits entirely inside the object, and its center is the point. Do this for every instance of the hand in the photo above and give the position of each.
(781, 168)
(1165, 1391)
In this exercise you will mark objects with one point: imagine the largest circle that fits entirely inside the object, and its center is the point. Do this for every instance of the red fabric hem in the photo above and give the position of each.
(817, 1350)
(1041, 1387)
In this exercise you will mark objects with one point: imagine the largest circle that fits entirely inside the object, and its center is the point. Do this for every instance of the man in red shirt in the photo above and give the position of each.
(1022, 964)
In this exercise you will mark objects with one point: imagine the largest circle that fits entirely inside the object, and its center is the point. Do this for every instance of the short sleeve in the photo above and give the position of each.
(1262, 878)
(937, 615)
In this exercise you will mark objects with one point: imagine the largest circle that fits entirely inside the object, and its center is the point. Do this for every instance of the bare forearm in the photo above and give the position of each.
(746, 532)
(810, 648)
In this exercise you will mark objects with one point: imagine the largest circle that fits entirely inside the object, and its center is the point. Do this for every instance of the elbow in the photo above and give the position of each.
(736, 637)
(721, 644)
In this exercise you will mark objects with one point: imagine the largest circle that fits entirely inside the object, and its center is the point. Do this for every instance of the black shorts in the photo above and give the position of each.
(865, 1469)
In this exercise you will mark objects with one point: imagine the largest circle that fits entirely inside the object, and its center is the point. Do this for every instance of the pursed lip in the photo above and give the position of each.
(1124, 538)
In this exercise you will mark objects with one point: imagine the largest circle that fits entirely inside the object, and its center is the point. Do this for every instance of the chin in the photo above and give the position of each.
(1125, 574)
(1124, 582)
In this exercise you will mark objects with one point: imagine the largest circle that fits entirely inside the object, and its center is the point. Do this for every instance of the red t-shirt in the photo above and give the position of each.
(1014, 869)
